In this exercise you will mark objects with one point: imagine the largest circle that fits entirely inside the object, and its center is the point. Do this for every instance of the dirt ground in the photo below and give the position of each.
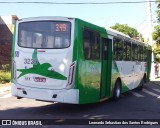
(5, 86)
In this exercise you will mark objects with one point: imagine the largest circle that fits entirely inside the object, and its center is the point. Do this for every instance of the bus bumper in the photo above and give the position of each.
(63, 95)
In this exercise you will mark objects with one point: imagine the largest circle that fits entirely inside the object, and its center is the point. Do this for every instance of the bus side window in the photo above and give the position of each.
(86, 44)
(133, 52)
(114, 49)
(125, 50)
(118, 49)
(91, 45)
(95, 46)
(145, 53)
(140, 50)
(136, 52)
(128, 51)
(141, 53)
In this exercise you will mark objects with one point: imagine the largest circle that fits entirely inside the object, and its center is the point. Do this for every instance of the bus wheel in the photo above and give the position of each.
(117, 90)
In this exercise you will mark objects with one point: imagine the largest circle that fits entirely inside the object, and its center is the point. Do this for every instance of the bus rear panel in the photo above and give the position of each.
(42, 66)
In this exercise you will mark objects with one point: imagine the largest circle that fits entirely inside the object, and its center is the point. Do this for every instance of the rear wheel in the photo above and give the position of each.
(117, 90)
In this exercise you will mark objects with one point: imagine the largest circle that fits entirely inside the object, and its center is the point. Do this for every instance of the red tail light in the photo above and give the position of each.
(145, 65)
(71, 73)
(14, 70)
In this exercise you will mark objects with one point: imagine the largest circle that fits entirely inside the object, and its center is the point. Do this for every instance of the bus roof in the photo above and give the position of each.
(46, 18)
(110, 31)
(121, 35)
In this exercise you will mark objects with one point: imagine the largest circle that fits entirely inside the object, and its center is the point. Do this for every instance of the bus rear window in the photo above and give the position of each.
(44, 34)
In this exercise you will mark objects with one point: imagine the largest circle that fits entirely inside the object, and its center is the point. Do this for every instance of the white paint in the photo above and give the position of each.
(150, 93)
(62, 67)
(63, 95)
(65, 61)
(6, 96)
(157, 90)
(59, 59)
(137, 94)
(131, 73)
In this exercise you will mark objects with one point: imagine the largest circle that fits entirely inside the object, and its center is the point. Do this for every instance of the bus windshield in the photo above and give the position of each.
(44, 34)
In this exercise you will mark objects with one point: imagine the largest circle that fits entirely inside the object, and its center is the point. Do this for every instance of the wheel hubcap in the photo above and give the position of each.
(118, 92)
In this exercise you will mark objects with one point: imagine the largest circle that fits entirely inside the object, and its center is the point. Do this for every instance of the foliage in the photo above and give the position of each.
(5, 76)
(149, 47)
(158, 10)
(158, 58)
(124, 28)
(156, 33)
(5, 67)
(156, 50)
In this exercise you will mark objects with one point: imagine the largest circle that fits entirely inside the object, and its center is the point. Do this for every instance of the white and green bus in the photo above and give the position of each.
(69, 60)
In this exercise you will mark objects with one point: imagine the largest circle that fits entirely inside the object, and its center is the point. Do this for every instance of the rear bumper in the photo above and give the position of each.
(63, 95)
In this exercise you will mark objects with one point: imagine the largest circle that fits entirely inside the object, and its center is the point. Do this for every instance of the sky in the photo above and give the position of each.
(106, 15)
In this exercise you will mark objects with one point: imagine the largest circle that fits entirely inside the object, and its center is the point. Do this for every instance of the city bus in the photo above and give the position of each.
(68, 60)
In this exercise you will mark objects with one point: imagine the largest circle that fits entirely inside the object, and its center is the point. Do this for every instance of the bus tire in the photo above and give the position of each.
(145, 79)
(117, 90)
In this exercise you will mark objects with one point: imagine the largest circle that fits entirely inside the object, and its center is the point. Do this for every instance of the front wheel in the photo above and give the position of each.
(117, 90)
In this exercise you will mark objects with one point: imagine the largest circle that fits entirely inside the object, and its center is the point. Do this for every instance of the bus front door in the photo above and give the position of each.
(106, 59)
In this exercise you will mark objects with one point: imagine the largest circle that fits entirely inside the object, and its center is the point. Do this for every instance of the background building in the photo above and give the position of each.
(6, 35)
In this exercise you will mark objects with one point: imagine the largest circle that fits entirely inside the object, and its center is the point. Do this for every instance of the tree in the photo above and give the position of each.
(124, 28)
(158, 10)
(156, 33)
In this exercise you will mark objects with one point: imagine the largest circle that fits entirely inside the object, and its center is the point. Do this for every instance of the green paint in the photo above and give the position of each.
(149, 58)
(87, 82)
(106, 67)
(109, 71)
(75, 53)
(41, 69)
(34, 56)
(13, 51)
(115, 76)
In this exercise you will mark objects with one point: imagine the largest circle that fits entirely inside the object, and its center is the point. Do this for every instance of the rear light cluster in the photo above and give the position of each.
(14, 77)
(145, 64)
(71, 74)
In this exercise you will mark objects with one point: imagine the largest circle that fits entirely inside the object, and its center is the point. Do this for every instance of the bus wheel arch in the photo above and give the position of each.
(117, 89)
(143, 81)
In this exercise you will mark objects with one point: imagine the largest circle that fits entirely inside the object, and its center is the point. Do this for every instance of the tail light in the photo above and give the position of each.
(71, 74)
(145, 64)
(14, 77)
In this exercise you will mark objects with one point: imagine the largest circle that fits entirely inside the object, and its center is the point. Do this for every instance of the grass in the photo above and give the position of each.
(5, 77)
